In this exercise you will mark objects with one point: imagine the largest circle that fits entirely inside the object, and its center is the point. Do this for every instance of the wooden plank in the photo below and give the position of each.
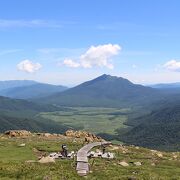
(82, 166)
(82, 159)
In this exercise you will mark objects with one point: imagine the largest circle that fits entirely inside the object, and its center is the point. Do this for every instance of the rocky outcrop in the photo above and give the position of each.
(89, 137)
(48, 135)
(86, 136)
(24, 133)
(18, 133)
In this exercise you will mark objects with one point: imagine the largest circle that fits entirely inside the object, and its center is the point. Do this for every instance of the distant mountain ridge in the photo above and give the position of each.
(28, 89)
(15, 83)
(166, 85)
(105, 91)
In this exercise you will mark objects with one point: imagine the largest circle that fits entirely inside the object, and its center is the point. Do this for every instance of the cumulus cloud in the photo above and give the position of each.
(28, 66)
(99, 56)
(71, 63)
(172, 65)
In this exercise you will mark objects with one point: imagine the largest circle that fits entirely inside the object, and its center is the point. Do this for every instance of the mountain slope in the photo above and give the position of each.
(35, 125)
(104, 91)
(159, 129)
(8, 104)
(36, 90)
(21, 114)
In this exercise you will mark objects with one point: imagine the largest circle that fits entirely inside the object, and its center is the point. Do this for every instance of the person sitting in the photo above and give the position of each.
(64, 150)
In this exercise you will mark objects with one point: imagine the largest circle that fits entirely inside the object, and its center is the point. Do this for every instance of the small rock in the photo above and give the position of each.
(160, 155)
(137, 163)
(153, 151)
(21, 145)
(124, 164)
(88, 139)
(46, 160)
(47, 134)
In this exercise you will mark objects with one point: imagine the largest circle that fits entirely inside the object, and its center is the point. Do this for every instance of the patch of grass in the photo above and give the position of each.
(13, 163)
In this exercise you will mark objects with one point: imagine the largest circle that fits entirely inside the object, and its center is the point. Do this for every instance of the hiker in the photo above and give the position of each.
(64, 150)
(103, 149)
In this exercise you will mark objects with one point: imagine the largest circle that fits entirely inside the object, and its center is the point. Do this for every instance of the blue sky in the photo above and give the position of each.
(68, 42)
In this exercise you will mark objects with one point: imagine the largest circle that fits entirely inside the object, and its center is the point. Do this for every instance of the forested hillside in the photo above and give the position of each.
(158, 129)
(21, 114)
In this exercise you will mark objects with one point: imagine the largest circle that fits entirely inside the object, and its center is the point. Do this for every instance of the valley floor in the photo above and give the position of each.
(14, 161)
(92, 119)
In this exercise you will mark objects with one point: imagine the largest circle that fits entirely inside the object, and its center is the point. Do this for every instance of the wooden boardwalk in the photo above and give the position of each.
(82, 157)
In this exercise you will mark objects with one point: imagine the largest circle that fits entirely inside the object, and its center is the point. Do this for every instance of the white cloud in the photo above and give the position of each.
(99, 56)
(71, 63)
(28, 66)
(20, 23)
(172, 65)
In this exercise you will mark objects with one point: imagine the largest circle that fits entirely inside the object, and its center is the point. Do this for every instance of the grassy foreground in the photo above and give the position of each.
(13, 165)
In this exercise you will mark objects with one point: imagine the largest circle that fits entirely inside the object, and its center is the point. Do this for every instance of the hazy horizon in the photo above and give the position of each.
(73, 85)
